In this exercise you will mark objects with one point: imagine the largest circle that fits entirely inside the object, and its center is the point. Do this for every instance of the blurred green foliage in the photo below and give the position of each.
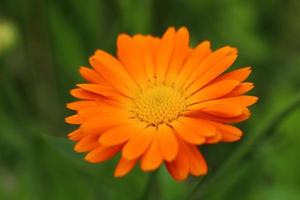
(42, 44)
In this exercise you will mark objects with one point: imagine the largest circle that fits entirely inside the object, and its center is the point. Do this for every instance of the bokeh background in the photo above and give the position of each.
(42, 45)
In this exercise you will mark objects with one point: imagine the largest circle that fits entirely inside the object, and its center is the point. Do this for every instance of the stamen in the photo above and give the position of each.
(158, 104)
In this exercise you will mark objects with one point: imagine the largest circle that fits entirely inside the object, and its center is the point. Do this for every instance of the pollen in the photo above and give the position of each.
(158, 104)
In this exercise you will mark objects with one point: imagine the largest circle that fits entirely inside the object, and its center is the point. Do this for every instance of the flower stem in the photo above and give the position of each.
(245, 148)
(150, 186)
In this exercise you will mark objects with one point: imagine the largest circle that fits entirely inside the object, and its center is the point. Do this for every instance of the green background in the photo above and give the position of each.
(42, 45)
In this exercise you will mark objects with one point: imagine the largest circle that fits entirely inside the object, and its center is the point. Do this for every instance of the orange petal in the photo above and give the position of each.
(192, 61)
(167, 142)
(229, 133)
(199, 126)
(101, 124)
(87, 143)
(154, 43)
(83, 94)
(76, 135)
(92, 76)
(102, 153)
(74, 119)
(138, 144)
(229, 137)
(187, 134)
(229, 106)
(113, 71)
(98, 89)
(241, 100)
(214, 139)
(197, 162)
(124, 167)
(245, 115)
(130, 56)
(212, 73)
(121, 134)
(214, 91)
(77, 105)
(224, 109)
(241, 89)
(164, 54)
(152, 158)
(180, 52)
(103, 91)
(145, 50)
(209, 63)
(104, 110)
(179, 168)
(238, 74)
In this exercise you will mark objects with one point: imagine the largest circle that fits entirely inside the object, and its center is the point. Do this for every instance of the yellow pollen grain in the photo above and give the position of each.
(158, 104)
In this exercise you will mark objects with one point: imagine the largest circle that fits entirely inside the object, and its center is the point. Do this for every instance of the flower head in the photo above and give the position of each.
(157, 102)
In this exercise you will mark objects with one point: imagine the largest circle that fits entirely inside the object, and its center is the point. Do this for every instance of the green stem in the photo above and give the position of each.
(150, 186)
(245, 148)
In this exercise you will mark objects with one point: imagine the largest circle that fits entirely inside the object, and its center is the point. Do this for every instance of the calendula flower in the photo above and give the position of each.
(157, 102)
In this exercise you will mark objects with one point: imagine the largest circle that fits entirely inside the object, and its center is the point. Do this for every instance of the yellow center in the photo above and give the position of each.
(158, 104)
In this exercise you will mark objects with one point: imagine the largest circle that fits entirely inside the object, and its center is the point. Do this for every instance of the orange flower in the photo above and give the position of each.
(157, 102)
